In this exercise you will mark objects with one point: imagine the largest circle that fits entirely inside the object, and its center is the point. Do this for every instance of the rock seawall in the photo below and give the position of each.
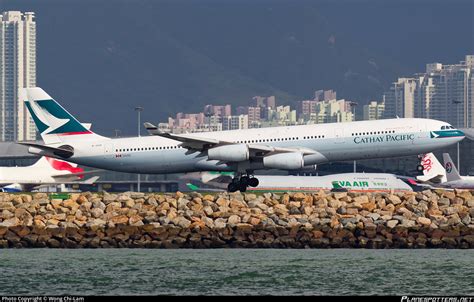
(428, 219)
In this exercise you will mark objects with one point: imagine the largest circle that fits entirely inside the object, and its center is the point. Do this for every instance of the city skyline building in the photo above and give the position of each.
(17, 71)
(374, 111)
(443, 92)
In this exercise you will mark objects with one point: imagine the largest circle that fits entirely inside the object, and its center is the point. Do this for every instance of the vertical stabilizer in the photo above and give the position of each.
(53, 122)
(451, 170)
(432, 169)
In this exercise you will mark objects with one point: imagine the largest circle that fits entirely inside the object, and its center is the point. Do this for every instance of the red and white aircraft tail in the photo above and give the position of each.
(433, 171)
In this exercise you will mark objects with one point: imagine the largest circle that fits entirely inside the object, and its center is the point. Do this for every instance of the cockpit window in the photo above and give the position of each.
(447, 127)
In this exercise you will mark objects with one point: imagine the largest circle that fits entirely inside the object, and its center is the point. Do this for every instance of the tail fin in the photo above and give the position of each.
(432, 169)
(54, 123)
(57, 166)
(451, 171)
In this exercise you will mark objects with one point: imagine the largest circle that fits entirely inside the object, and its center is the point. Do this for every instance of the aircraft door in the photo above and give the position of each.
(109, 151)
(339, 136)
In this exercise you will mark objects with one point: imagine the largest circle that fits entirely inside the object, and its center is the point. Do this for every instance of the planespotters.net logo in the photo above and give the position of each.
(437, 299)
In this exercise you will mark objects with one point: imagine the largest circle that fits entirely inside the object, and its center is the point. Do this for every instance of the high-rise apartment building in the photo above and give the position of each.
(219, 110)
(17, 70)
(235, 122)
(374, 111)
(264, 101)
(443, 92)
(325, 95)
(400, 99)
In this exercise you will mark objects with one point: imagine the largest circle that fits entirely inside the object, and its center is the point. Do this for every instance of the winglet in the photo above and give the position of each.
(451, 171)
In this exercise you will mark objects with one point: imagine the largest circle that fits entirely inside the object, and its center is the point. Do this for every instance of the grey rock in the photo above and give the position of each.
(398, 217)
(182, 203)
(466, 220)
(374, 216)
(97, 212)
(136, 195)
(346, 221)
(408, 223)
(220, 223)
(234, 219)
(181, 222)
(151, 201)
(443, 201)
(294, 211)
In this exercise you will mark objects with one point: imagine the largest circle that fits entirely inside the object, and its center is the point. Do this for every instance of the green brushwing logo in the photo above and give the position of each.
(51, 118)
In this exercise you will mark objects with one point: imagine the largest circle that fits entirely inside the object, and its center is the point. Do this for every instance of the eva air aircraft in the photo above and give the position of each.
(353, 182)
(241, 151)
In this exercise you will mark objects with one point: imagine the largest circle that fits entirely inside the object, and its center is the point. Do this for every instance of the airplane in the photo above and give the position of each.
(446, 176)
(242, 151)
(353, 182)
(45, 172)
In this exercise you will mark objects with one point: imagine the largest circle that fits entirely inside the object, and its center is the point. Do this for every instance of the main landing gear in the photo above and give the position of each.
(240, 183)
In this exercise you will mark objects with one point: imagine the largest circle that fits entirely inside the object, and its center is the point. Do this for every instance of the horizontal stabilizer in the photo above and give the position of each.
(90, 181)
(63, 151)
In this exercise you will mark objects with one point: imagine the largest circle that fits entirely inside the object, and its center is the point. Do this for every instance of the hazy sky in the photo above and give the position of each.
(100, 59)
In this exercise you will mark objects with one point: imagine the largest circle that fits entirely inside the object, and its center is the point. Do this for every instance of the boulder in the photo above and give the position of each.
(394, 199)
(120, 219)
(96, 212)
(234, 219)
(11, 222)
(424, 221)
(181, 222)
(220, 223)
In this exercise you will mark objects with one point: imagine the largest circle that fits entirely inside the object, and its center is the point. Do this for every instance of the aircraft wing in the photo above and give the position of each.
(192, 142)
(88, 181)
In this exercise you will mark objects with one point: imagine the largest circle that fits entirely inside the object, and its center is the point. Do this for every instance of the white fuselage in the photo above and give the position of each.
(466, 182)
(336, 142)
(30, 175)
(355, 182)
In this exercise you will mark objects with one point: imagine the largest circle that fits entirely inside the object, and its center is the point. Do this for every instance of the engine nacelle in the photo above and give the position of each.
(284, 161)
(235, 153)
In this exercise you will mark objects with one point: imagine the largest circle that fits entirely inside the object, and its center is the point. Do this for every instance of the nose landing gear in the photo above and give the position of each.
(240, 183)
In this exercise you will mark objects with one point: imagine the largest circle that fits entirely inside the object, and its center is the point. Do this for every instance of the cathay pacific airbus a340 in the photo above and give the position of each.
(242, 151)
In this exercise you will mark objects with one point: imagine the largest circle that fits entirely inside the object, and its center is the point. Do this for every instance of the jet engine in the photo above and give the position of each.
(234, 153)
(284, 161)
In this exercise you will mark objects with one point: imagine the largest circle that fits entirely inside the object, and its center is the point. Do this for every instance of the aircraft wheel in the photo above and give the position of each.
(419, 168)
(233, 187)
(253, 182)
(244, 180)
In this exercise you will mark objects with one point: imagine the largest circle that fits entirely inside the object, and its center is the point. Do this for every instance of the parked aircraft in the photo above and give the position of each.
(354, 182)
(242, 151)
(45, 172)
(446, 176)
